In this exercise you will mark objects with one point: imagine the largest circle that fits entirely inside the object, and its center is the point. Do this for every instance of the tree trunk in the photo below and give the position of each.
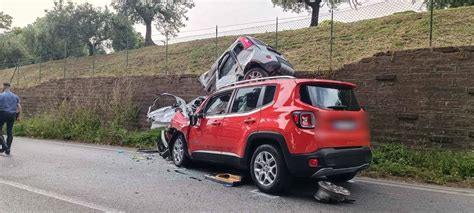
(91, 48)
(148, 40)
(314, 12)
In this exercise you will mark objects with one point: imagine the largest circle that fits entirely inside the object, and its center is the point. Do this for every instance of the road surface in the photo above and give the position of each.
(52, 176)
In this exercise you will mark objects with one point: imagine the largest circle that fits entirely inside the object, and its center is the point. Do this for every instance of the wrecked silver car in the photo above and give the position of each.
(247, 58)
(162, 117)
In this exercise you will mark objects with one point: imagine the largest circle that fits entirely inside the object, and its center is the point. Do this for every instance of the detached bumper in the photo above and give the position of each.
(331, 161)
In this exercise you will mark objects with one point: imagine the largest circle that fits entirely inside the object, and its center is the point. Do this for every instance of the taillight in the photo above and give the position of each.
(246, 42)
(304, 119)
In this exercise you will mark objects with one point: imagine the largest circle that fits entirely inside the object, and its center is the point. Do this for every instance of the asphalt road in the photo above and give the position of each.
(52, 176)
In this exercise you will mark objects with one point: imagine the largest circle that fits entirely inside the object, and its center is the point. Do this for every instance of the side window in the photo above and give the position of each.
(227, 66)
(217, 105)
(238, 48)
(246, 99)
(269, 94)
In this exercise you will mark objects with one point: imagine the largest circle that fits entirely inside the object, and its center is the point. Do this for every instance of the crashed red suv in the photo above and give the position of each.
(277, 127)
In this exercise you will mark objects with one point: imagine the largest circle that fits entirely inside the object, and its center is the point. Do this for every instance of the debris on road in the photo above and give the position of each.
(331, 193)
(225, 178)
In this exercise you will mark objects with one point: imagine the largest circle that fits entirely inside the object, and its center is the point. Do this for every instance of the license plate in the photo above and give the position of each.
(344, 125)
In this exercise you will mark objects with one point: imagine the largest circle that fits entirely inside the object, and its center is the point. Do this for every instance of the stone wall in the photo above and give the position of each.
(419, 97)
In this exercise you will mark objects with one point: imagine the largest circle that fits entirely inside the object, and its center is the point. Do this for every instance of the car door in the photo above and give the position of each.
(204, 136)
(241, 120)
(228, 69)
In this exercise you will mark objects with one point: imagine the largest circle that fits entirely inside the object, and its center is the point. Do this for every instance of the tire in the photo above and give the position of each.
(255, 72)
(179, 152)
(262, 169)
(341, 178)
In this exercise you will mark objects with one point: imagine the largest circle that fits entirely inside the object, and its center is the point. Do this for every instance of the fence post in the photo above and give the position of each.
(65, 58)
(331, 39)
(431, 21)
(18, 72)
(276, 34)
(216, 41)
(93, 61)
(166, 55)
(40, 67)
(126, 66)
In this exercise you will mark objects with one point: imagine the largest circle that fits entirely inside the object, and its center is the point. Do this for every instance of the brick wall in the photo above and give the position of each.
(419, 97)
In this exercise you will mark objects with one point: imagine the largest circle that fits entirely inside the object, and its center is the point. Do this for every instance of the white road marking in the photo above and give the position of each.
(428, 188)
(258, 193)
(58, 196)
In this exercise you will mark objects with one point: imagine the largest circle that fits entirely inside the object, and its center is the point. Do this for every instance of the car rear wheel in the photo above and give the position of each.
(179, 152)
(340, 178)
(255, 72)
(268, 169)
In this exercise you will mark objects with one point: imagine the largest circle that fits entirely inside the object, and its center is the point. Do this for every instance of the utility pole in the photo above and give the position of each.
(431, 21)
(216, 41)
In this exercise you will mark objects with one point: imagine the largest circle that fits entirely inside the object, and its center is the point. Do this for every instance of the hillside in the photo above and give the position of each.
(307, 49)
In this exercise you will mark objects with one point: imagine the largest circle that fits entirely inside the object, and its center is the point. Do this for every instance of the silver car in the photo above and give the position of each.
(247, 58)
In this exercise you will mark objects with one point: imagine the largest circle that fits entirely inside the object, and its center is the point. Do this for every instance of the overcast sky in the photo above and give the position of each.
(206, 13)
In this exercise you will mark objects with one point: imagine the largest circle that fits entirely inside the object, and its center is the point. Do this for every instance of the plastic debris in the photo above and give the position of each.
(229, 180)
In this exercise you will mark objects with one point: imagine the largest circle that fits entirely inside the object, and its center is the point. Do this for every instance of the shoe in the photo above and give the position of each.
(7, 152)
(1, 151)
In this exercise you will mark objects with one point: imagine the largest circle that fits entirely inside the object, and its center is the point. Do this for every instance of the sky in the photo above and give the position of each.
(205, 15)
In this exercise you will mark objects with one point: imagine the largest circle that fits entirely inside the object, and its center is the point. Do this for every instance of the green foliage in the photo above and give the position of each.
(110, 122)
(169, 16)
(5, 21)
(432, 166)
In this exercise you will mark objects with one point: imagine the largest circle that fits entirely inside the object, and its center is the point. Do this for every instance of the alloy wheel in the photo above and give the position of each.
(265, 168)
(178, 150)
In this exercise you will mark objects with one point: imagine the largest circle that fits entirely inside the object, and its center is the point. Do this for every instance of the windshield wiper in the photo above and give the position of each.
(338, 107)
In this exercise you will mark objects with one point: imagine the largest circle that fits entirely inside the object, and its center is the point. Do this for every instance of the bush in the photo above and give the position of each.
(432, 166)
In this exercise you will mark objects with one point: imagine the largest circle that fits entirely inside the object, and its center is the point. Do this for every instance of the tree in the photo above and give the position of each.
(300, 5)
(5, 21)
(124, 35)
(443, 4)
(93, 26)
(163, 11)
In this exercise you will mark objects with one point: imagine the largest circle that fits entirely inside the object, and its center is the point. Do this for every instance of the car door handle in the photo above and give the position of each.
(250, 120)
(216, 123)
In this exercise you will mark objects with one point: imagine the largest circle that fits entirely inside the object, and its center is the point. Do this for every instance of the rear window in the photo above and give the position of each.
(329, 97)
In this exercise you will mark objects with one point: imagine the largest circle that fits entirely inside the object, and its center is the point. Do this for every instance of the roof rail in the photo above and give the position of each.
(257, 80)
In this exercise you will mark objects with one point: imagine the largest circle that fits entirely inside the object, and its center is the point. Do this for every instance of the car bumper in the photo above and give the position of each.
(331, 161)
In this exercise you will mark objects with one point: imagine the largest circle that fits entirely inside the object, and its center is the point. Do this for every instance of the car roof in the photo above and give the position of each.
(295, 80)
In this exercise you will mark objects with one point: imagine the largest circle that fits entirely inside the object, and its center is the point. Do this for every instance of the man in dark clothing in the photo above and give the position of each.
(10, 109)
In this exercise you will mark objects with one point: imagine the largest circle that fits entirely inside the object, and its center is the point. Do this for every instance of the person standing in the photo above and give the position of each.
(10, 109)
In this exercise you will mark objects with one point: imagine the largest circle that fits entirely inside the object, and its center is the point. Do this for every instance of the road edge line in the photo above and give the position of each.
(57, 196)
(439, 189)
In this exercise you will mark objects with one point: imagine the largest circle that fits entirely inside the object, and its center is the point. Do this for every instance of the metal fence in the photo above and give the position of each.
(342, 36)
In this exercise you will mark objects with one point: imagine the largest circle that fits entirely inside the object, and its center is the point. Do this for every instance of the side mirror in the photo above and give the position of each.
(193, 119)
(364, 107)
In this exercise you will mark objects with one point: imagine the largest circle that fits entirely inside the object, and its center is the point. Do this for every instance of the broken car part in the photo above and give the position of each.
(331, 193)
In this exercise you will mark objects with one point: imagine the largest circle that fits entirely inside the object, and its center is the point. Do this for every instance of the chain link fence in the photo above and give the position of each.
(342, 36)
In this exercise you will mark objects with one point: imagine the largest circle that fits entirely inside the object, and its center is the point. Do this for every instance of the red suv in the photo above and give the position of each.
(278, 127)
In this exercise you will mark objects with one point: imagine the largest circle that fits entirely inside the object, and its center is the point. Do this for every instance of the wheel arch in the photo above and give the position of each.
(175, 133)
(254, 64)
(259, 138)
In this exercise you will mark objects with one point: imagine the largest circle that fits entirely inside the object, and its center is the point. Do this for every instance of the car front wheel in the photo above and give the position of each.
(179, 152)
(268, 169)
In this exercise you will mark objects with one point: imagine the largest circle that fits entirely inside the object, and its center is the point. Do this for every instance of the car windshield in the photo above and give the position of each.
(329, 97)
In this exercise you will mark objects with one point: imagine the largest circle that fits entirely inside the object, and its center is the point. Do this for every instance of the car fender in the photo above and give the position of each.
(257, 137)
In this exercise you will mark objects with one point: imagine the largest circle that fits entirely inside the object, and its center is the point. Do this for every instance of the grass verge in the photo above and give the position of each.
(434, 166)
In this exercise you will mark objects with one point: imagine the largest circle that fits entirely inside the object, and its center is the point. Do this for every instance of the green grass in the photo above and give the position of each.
(437, 166)
(307, 49)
